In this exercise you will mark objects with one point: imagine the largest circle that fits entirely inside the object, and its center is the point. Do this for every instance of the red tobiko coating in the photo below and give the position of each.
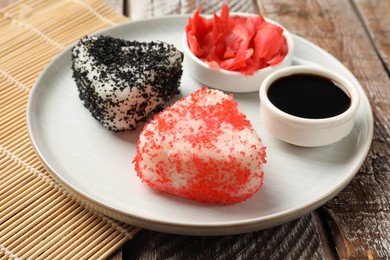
(202, 148)
(236, 43)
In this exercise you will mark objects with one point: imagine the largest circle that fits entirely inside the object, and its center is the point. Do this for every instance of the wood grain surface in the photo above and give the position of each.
(355, 224)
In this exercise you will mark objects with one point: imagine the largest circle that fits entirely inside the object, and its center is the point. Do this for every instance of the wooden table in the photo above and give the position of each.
(355, 224)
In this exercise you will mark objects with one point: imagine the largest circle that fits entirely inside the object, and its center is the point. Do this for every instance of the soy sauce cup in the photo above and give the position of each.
(308, 106)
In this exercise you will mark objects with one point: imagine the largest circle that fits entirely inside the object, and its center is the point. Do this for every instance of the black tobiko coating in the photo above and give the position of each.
(131, 65)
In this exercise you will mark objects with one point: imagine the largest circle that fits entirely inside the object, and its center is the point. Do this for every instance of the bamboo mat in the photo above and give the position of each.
(38, 218)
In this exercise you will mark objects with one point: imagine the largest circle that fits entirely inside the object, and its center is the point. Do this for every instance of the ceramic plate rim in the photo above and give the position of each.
(259, 222)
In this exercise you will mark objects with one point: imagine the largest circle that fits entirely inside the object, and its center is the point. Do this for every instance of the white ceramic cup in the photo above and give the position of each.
(305, 131)
(233, 81)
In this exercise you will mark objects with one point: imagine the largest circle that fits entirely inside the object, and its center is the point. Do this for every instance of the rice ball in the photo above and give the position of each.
(202, 148)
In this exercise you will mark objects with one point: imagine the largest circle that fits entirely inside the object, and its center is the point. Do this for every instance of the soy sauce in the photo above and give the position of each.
(308, 96)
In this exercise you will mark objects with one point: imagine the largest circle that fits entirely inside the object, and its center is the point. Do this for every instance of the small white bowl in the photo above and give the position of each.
(305, 131)
(233, 81)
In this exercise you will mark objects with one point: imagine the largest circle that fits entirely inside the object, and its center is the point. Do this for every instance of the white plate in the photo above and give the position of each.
(95, 164)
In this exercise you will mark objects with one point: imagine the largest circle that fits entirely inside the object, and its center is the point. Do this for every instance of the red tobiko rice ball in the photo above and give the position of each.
(202, 148)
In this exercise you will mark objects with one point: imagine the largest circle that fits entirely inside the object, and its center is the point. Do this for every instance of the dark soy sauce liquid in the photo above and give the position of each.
(308, 96)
